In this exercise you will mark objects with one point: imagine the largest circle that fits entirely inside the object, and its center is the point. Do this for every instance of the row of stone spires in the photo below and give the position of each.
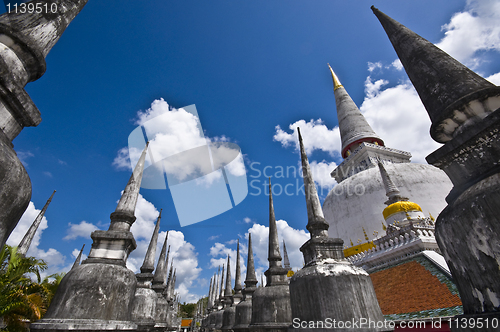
(102, 294)
(308, 296)
(328, 285)
(464, 110)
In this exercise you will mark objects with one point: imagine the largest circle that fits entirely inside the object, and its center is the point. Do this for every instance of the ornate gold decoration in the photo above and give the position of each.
(336, 82)
(402, 206)
(358, 249)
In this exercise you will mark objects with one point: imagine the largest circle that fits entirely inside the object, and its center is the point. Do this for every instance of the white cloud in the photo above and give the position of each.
(321, 174)
(247, 220)
(177, 146)
(146, 215)
(83, 229)
(24, 224)
(397, 115)
(495, 78)
(374, 65)
(315, 135)
(473, 30)
(294, 239)
(397, 64)
(122, 160)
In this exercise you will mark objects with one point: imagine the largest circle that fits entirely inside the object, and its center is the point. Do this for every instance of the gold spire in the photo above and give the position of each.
(336, 82)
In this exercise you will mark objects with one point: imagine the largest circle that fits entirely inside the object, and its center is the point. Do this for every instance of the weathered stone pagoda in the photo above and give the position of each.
(243, 315)
(271, 309)
(329, 286)
(353, 205)
(228, 311)
(465, 112)
(144, 304)
(25, 40)
(98, 294)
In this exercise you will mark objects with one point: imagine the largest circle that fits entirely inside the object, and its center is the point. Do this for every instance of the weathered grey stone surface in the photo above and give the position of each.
(465, 113)
(25, 41)
(243, 312)
(271, 309)
(93, 291)
(243, 315)
(15, 189)
(144, 308)
(102, 288)
(144, 304)
(446, 87)
(328, 287)
(219, 316)
(354, 129)
(228, 319)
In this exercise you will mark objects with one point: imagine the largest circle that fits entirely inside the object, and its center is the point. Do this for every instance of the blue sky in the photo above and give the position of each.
(255, 70)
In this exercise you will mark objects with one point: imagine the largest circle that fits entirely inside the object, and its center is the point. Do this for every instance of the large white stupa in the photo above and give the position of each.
(353, 208)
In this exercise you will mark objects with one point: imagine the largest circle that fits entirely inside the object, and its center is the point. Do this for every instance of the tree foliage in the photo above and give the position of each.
(187, 310)
(23, 300)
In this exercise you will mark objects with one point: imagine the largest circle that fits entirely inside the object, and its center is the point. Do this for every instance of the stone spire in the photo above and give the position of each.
(174, 279)
(160, 276)
(354, 129)
(78, 258)
(327, 274)
(124, 213)
(274, 298)
(237, 278)
(149, 260)
(446, 87)
(228, 292)
(168, 289)
(114, 245)
(211, 299)
(286, 261)
(39, 32)
(210, 291)
(25, 243)
(316, 223)
(251, 279)
(391, 191)
(216, 294)
(243, 313)
(274, 256)
(262, 280)
(221, 294)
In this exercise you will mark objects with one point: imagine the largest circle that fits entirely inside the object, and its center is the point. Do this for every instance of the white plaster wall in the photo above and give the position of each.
(358, 201)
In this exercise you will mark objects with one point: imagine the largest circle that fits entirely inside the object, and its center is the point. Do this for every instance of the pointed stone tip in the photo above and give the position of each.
(374, 9)
(300, 136)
